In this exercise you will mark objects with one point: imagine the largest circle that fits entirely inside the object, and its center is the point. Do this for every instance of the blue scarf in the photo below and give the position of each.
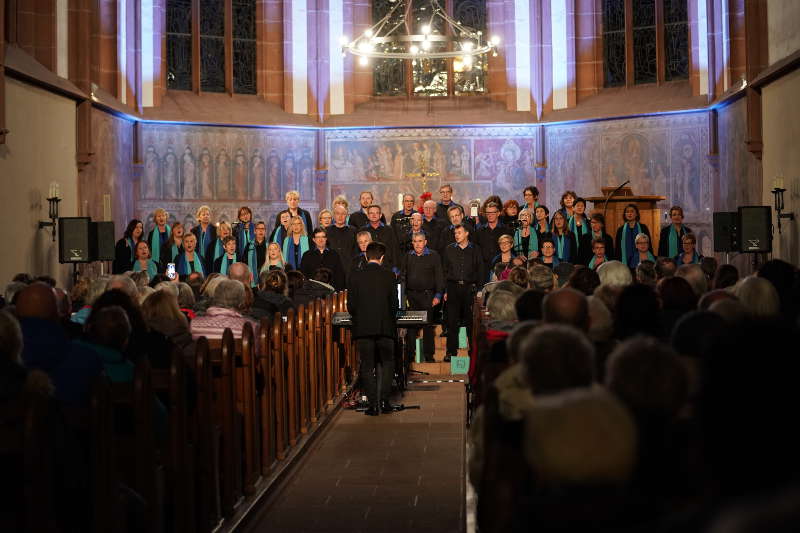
(156, 241)
(626, 229)
(132, 246)
(592, 262)
(223, 269)
(289, 249)
(250, 257)
(279, 235)
(563, 251)
(546, 223)
(635, 260)
(578, 231)
(219, 250)
(674, 240)
(533, 242)
(695, 258)
(152, 268)
(202, 247)
(182, 264)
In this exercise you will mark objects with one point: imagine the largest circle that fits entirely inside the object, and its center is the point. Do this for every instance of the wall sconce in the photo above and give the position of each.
(778, 191)
(52, 200)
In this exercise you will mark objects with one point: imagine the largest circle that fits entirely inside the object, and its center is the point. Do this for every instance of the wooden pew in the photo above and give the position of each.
(246, 402)
(330, 349)
(205, 435)
(301, 356)
(290, 376)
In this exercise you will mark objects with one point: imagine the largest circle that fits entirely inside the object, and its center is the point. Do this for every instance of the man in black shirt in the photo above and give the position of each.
(359, 219)
(380, 232)
(372, 302)
(342, 236)
(414, 226)
(322, 256)
(464, 272)
(456, 217)
(446, 195)
(424, 279)
(431, 224)
(487, 234)
(359, 261)
(401, 219)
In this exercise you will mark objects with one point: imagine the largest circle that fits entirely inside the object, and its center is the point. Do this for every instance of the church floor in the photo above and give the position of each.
(392, 473)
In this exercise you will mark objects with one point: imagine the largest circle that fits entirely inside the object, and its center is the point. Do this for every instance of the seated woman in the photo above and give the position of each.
(510, 212)
(294, 209)
(224, 262)
(548, 257)
(274, 258)
(325, 218)
(625, 242)
(689, 256)
(173, 247)
(542, 225)
(160, 235)
(564, 239)
(189, 261)
(273, 296)
(598, 254)
(282, 229)
(669, 244)
(143, 262)
(223, 230)
(578, 224)
(598, 231)
(643, 252)
(506, 244)
(125, 249)
(295, 244)
(526, 242)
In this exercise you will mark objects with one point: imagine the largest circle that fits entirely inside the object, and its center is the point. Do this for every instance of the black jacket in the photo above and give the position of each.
(446, 236)
(464, 264)
(343, 240)
(372, 302)
(358, 219)
(423, 272)
(217, 266)
(486, 238)
(122, 257)
(211, 241)
(268, 303)
(663, 241)
(305, 215)
(313, 259)
(385, 234)
(441, 210)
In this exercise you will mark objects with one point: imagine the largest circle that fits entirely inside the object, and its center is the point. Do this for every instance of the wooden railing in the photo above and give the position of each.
(237, 414)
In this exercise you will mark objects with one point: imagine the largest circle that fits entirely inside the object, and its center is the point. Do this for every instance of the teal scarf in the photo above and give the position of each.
(223, 269)
(695, 258)
(132, 246)
(533, 242)
(546, 223)
(559, 245)
(251, 259)
(152, 268)
(219, 250)
(183, 264)
(288, 246)
(174, 254)
(636, 259)
(155, 242)
(579, 231)
(624, 244)
(592, 262)
(674, 240)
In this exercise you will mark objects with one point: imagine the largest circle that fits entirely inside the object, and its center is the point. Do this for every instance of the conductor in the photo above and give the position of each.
(372, 303)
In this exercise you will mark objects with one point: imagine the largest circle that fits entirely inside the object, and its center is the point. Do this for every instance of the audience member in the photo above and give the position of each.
(566, 306)
(196, 282)
(758, 296)
(615, 274)
(786, 280)
(519, 276)
(107, 333)
(501, 307)
(715, 295)
(123, 283)
(695, 276)
(709, 266)
(726, 276)
(563, 271)
(677, 299)
(541, 277)
(731, 310)
(637, 313)
(225, 312)
(665, 267)
(273, 296)
(162, 313)
(646, 274)
(529, 304)
(584, 280)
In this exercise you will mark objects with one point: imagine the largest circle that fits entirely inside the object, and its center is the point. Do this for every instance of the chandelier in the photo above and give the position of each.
(438, 36)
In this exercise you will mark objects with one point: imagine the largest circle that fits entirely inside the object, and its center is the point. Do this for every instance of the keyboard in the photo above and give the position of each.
(404, 318)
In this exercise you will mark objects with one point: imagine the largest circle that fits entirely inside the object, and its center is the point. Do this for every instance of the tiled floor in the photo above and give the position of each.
(392, 473)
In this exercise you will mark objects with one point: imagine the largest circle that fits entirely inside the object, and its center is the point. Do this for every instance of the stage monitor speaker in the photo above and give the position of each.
(726, 231)
(755, 229)
(102, 241)
(73, 240)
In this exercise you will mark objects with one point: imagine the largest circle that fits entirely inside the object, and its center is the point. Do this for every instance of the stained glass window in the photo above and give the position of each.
(244, 46)
(645, 69)
(212, 45)
(614, 42)
(179, 44)
(676, 39)
(430, 77)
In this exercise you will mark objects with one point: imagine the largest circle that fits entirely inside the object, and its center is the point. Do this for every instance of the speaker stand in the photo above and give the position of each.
(74, 274)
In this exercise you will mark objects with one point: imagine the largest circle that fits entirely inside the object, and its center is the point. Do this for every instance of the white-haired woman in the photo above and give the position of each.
(159, 235)
(293, 206)
(206, 234)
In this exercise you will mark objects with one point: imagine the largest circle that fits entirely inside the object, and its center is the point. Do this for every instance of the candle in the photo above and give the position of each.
(399, 201)
(57, 189)
(51, 189)
(777, 183)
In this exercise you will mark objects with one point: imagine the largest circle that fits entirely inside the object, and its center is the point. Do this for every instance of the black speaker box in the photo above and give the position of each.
(726, 231)
(101, 239)
(73, 240)
(755, 229)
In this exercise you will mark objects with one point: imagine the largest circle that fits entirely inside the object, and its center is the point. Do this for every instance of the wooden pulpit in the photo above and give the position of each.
(650, 214)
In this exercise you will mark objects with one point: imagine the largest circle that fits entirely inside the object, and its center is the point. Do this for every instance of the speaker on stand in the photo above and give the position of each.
(755, 231)
(74, 244)
(726, 233)
(101, 241)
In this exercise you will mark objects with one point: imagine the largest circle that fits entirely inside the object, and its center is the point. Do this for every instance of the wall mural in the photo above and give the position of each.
(187, 166)
(663, 155)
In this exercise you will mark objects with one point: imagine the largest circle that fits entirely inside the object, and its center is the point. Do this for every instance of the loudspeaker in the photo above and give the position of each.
(755, 229)
(73, 240)
(726, 231)
(101, 239)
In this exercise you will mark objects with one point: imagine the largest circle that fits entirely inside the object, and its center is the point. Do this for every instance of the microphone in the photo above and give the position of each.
(615, 191)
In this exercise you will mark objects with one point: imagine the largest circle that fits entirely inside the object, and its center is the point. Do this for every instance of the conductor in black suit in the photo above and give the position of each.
(372, 303)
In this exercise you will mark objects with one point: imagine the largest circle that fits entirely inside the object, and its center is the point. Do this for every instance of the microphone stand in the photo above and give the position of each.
(615, 191)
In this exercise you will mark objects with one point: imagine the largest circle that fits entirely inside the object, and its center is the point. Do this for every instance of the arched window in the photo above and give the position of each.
(431, 77)
(220, 57)
(645, 41)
